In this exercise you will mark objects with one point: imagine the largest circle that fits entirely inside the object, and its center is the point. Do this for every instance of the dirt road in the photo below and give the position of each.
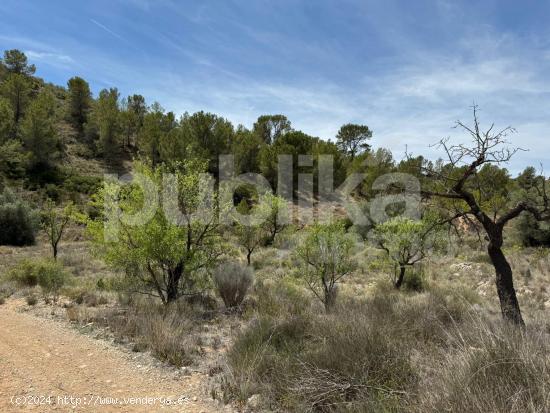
(41, 358)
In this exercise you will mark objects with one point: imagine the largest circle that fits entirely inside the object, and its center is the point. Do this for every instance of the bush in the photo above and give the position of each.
(18, 223)
(492, 367)
(51, 278)
(31, 299)
(49, 274)
(25, 274)
(232, 281)
(168, 332)
(414, 281)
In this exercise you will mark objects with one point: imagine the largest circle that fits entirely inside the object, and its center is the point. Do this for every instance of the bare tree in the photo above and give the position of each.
(458, 182)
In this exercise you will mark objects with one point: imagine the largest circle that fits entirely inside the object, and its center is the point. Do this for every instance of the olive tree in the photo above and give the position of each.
(325, 252)
(170, 252)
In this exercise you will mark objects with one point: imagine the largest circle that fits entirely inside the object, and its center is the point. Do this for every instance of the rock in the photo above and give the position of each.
(254, 401)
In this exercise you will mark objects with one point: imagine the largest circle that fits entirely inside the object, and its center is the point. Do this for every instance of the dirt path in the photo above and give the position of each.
(40, 358)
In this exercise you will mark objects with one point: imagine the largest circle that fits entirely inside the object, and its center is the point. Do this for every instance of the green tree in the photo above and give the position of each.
(352, 139)
(14, 161)
(106, 118)
(407, 242)
(152, 141)
(293, 143)
(169, 254)
(38, 130)
(6, 121)
(16, 62)
(131, 118)
(275, 213)
(269, 128)
(16, 88)
(246, 147)
(250, 235)
(54, 223)
(79, 102)
(326, 256)
(210, 135)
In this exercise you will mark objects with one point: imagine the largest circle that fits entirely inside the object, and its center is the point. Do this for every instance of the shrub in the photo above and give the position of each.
(18, 222)
(51, 277)
(2, 300)
(232, 281)
(414, 281)
(25, 274)
(167, 331)
(31, 299)
(492, 368)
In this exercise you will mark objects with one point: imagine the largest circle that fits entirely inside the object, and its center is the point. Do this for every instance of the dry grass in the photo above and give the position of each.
(431, 351)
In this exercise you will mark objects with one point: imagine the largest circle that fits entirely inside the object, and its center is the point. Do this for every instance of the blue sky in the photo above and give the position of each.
(408, 69)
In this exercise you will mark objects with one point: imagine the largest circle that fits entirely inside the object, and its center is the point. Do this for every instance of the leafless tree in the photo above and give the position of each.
(458, 183)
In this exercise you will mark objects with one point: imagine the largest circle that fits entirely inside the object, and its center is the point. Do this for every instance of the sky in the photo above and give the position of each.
(407, 69)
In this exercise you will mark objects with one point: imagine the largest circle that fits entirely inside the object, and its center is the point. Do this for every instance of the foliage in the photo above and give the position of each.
(79, 102)
(275, 214)
(14, 161)
(269, 128)
(168, 253)
(105, 118)
(407, 242)
(16, 62)
(16, 89)
(232, 281)
(6, 120)
(54, 223)
(51, 278)
(38, 131)
(18, 222)
(352, 139)
(325, 254)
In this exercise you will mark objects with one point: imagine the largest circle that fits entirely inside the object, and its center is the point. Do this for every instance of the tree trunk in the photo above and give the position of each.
(248, 257)
(330, 298)
(54, 252)
(401, 277)
(172, 287)
(509, 305)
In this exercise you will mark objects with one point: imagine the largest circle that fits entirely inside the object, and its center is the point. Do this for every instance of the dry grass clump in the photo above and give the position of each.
(169, 333)
(232, 281)
(490, 367)
(391, 352)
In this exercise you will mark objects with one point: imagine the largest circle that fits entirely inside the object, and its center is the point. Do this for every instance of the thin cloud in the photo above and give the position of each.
(98, 24)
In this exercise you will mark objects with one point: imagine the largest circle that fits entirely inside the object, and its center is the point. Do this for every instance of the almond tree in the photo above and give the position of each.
(466, 197)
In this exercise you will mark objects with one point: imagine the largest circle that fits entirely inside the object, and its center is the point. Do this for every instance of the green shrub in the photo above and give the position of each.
(18, 222)
(51, 278)
(414, 281)
(31, 300)
(49, 274)
(232, 281)
(25, 273)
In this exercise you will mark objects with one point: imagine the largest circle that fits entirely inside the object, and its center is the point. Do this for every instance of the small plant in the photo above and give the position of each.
(24, 274)
(31, 300)
(51, 277)
(232, 281)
